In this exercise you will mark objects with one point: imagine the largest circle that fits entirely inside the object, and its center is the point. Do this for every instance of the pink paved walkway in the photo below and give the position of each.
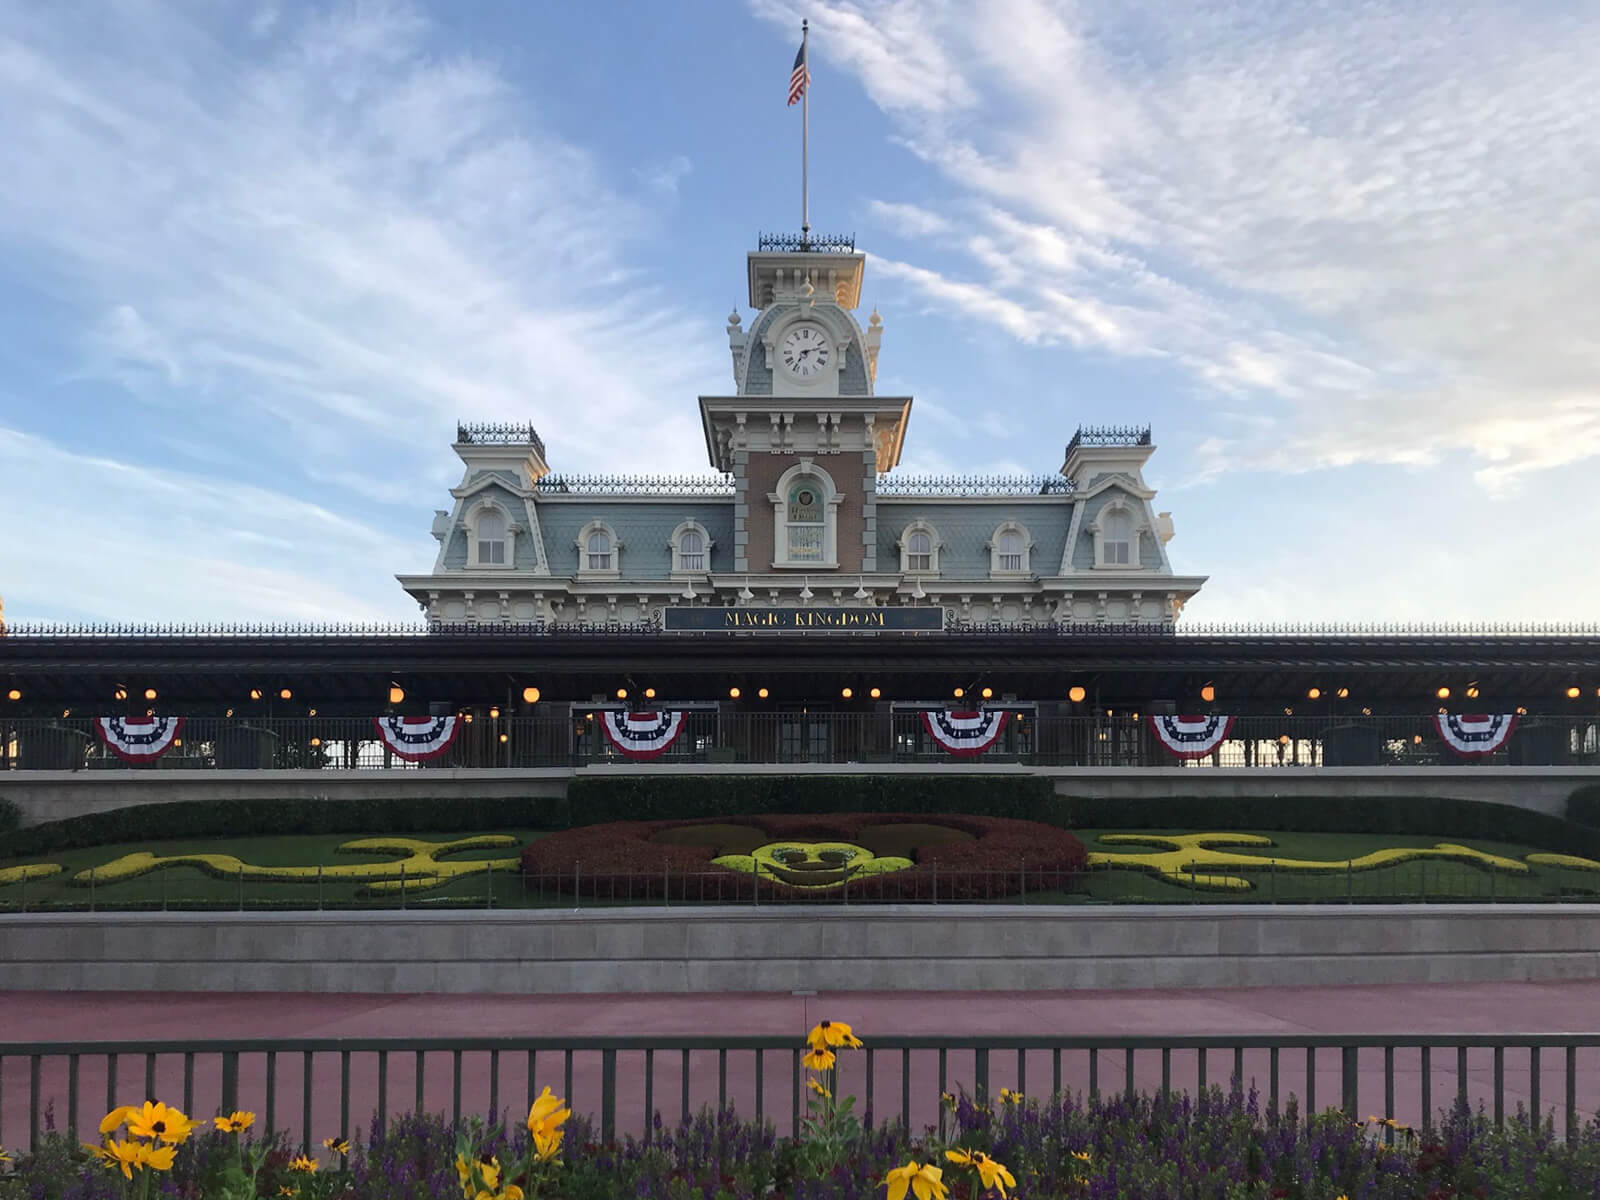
(1435, 1010)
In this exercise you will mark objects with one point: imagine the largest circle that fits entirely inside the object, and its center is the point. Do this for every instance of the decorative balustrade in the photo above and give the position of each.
(917, 486)
(636, 485)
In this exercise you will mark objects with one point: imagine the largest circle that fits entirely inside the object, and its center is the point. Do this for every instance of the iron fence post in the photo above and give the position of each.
(608, 1095)
(1348, 1080)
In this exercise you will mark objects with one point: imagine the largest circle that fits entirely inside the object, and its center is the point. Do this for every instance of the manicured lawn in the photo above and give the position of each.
(186, 886)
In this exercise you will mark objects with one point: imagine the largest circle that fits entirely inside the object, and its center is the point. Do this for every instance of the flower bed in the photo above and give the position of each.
(956, 856)
(1213, 1146)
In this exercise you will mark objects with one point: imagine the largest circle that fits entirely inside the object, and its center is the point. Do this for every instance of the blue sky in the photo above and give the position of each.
(257, 258)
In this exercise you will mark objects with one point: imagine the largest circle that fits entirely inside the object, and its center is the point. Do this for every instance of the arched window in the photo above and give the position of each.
(919, 551)
(805, 506)
(1118, 538)
(491, 538)
(805, 517)
(691, 548)
(692, 551)
(599, 551)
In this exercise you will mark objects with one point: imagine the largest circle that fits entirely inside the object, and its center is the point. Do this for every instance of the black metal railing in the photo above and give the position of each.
(712, 737)
(314, 1087)
(806, 242)
(504, 434)
(1109, 435)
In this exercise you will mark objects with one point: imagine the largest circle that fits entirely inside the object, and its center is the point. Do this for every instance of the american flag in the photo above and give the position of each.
(800, 76)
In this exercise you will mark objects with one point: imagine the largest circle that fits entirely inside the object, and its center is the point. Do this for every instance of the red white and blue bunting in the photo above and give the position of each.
(417, 739)
(964, 733)
(1191, 737)
(138, 739)
(641, 734)
(1472, 735)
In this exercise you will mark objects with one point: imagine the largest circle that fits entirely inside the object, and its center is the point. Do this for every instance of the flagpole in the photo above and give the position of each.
(805, 136)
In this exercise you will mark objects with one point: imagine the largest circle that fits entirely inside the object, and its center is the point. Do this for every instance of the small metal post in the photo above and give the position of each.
(24, 890)
(319, 887)
(1349, 881)
(666, 902)
(488, 894)
(163, 889)
(755, 882)
(91, 889)
(241, 889)
(577, 891)
(936, 881)
(402, 887)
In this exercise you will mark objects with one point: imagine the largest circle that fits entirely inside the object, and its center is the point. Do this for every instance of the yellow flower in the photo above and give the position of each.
(117, 1118)
(157, 1158)
(923, 1179)
(304, 1164)
(114, 1154)
(990, 1173)
(4, 1158)
(512, 1192)
(284, 1190)
(833, 1033)
(337, 1145)
(547, 1145)
(546, 1115)
(948, 1099)
(463, 1172)
(1007, 1096)
(818, 1089)
(818, 1060)
(155, 1120)
(1081, 1155)
(236, 1122)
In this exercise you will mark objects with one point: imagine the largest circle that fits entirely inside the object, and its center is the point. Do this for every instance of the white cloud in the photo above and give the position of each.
(663, 178)
(1370, 221)
(119, 541)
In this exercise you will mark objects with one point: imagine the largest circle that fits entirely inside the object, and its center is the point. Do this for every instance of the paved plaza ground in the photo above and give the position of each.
(1438, 1011)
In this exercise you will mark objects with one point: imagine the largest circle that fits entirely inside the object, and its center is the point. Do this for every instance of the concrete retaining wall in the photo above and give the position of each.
(52, 795)
(781, 950)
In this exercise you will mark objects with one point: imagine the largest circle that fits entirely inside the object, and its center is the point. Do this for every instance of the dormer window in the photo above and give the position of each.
(491, 537)
(919, 549)
(1116, 533)
(1118, 541)
(599, 552)
(1010, 550)
(691, 548)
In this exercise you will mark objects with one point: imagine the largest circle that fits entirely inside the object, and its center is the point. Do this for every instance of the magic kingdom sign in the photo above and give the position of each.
(914, 619)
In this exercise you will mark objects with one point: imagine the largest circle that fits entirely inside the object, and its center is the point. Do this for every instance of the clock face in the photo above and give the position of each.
(805, 351)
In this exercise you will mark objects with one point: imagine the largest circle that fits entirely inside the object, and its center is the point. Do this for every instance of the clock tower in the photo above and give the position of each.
(805, 436)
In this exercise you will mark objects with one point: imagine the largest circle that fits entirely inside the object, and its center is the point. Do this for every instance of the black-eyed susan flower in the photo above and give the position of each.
(285, 1190)
(818, 1060)
(923, 1180)
(991, 1174)
(1081, 1155)
(1007, 1096)
(117, 1118)
(304, 1164)
(157, 1157)
(547, 1115)
(156, 1121)
(235, 1122)
(117, 1155)
(832, 1033)
(340, 1146)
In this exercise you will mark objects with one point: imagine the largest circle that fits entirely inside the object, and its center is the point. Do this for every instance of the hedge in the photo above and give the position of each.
(250, 818)
(1583, 806)
(1423, 816)
(673, 797)
(10, 815)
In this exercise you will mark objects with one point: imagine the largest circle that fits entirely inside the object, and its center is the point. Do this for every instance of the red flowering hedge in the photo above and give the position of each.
(984, 858)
